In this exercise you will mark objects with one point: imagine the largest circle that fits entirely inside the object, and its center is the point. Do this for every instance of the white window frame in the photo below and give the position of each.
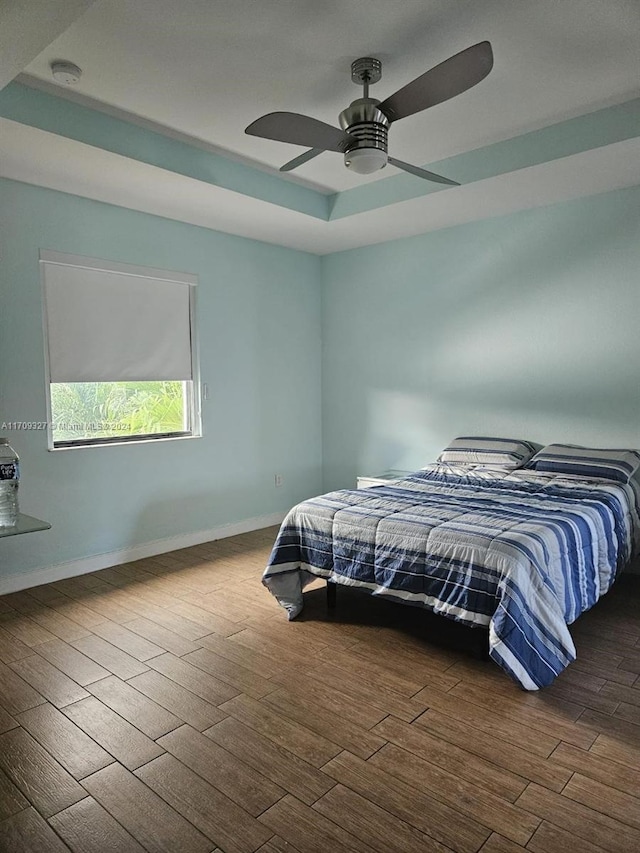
(194, 396)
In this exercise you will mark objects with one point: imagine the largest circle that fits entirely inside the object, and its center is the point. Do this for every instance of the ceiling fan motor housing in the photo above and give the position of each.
(363, 120)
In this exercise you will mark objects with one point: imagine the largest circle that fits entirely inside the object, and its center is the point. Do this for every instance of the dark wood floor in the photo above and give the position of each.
(167, 705)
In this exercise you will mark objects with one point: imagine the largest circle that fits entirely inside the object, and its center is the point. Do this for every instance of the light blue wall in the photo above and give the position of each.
(259, 330)
(525, 325)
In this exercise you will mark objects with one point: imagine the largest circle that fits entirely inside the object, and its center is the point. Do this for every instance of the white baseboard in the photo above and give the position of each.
(72, 569)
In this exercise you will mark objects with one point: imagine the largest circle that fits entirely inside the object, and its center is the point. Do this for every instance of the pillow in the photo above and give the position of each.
(489, 452)
(588, 462)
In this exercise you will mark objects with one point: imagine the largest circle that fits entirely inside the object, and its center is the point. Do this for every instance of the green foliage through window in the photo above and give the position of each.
(97, 410)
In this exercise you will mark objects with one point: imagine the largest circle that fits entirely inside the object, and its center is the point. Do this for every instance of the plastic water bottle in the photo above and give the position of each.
(9, 477)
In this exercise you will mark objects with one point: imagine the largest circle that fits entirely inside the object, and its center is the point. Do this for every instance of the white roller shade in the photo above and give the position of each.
(110, 325)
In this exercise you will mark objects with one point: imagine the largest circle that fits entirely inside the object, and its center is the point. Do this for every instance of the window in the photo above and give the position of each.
(121, 355)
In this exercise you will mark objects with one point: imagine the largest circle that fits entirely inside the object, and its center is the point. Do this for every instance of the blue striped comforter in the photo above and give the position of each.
(521, 553)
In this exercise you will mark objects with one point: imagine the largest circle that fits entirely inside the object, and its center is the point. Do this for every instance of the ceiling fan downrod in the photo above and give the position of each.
(365, 122)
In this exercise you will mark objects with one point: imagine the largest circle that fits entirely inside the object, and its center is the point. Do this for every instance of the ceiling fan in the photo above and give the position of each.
(365, 122)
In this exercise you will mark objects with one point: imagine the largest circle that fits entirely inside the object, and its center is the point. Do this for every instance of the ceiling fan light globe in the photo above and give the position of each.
(365, 161)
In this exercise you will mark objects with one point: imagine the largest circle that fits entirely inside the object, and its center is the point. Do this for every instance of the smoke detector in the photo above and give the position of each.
(65, 72)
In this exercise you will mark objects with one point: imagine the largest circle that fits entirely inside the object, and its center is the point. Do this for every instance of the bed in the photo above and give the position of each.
(522, 549)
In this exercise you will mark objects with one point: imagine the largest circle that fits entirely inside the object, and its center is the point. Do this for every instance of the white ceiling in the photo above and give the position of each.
(207, 69)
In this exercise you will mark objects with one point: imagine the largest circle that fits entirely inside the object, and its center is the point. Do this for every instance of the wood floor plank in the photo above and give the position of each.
(58, 625)
(303, 632)
(553, 717)
(147, 817)
(221, 606)
(43, 593)
(6, 721)
(127, 641)
(611, 725)
(11, 800)
(114, 660)
(295, 737)
(214, 622)
(629, 712)
(185, 628)
(620, 693)
(608, 672)
(177, 700)
(616, 750)
(586, 697)
(15, 694)
(77, 612)
(27, 832)
(601, 769)
(422, 664)
(249, 658)
(366, 691)
(73, 663)
(552, 839)
(25, 629)
(143, 713)
(203, 805)
(589, 656)
(483, 806)
(40, 777)
(324, 722)
(630, 665)
(276, 845)
(597, 642)
(233, 673)
(581, 821)
(380, 829)
(497, 844)
(201, 683)
(307, 689)
(11, 648)
(79, 585)
(87, 828)
(161, 636)
(426, 814)
(308, 830)
(495, 750)
(79, 754)
(105, 603)
(121, 605)
(453, 759)
(492, 723)
(360, 667)
(604, 798)
(594, 633)
(23, 602)
(274, 762)
(112, 732)
(291, 654)
(48, 680)
(572, 677)
(238, 781)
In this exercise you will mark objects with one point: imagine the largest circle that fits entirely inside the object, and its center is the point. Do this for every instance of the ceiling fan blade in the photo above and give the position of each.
(300, 130)
(422, 173)
(452, 77)
(302, 158)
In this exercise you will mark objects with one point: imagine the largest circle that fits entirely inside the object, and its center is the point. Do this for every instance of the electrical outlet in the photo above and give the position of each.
(279, 479)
